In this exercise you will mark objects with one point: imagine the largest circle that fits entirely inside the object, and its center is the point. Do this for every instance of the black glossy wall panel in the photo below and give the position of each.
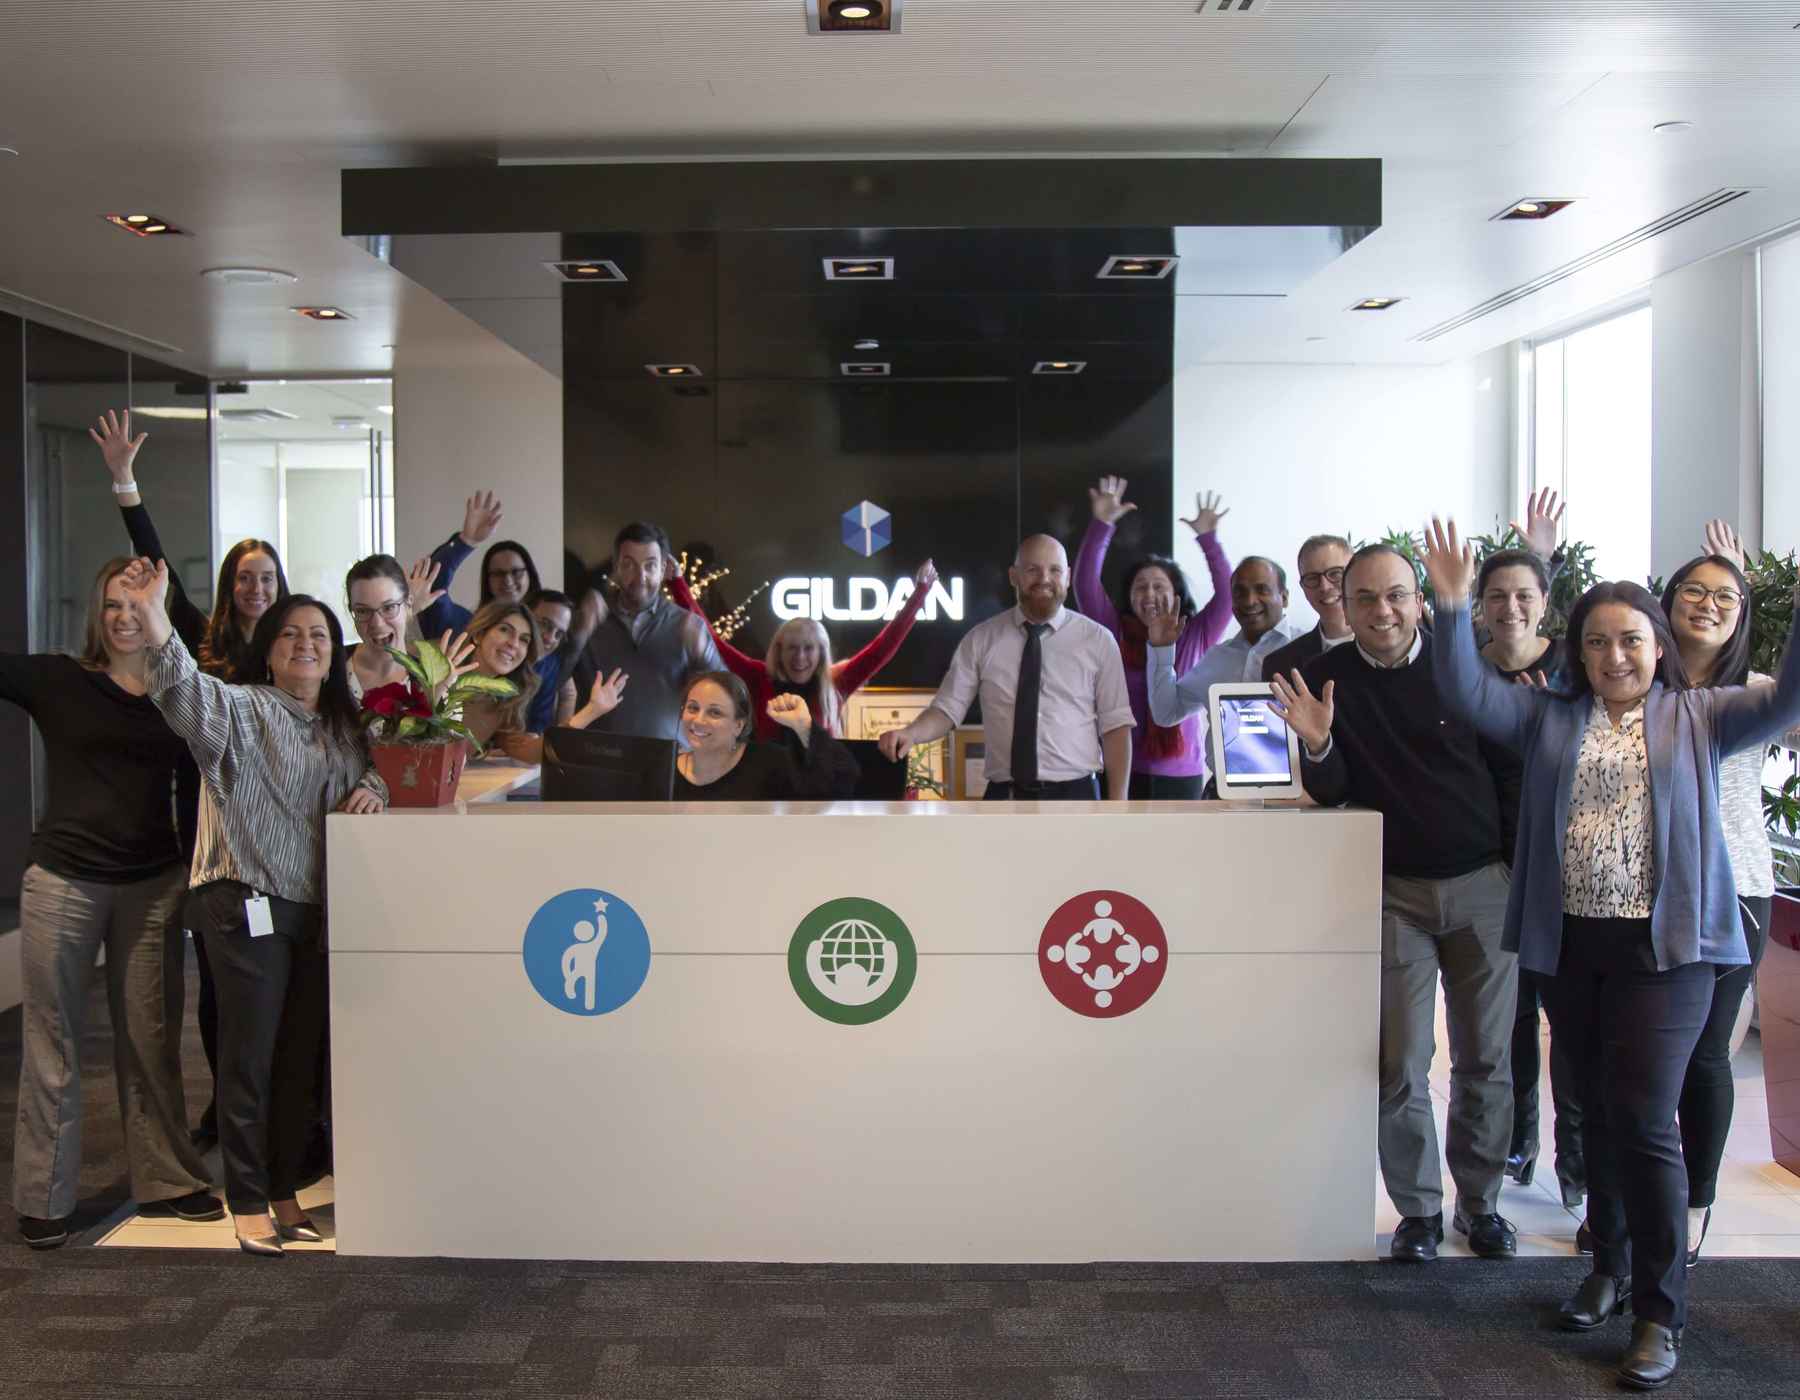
(15, 727)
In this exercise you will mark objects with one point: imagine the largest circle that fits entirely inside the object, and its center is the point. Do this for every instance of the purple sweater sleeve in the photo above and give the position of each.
(1090, 597)
(1206, 628)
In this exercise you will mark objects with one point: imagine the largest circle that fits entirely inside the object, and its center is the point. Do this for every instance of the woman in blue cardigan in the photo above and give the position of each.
(1623, 897)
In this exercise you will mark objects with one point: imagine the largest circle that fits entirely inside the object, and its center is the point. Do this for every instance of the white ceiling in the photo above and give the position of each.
(233, 118)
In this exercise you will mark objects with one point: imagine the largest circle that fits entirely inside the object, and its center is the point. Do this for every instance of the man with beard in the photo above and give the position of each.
(1322, 560)
(1052, 692)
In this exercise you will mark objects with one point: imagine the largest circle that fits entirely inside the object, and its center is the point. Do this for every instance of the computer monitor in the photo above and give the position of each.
(585, 765)
(1254, 752)
(878, 779)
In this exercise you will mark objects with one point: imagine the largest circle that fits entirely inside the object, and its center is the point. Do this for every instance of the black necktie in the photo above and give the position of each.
(1025, 707)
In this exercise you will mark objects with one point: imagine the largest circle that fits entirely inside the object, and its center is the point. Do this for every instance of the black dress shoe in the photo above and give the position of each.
(1694, 1248)
(1649, 1362)
(1491, 1236)
(43, 1234)
(1571, 1177)
(1522, 1166)
(196, 1205)
(1584, 1239)
(1416, 1238)
(1600, 1298)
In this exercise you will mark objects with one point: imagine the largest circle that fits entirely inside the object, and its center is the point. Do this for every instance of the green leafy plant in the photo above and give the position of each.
(1773, 578)
(1575, 571)
(918, 768)
(406, 713)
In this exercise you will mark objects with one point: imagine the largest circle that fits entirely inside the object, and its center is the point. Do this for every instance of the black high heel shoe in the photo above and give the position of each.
(1522, 1166)
(1693, 1254)
(1600, 1298)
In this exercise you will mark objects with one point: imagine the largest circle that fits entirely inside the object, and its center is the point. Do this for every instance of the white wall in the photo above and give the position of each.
(1704, 441)
(1298, 450)
(472, 414)
(1780, 404)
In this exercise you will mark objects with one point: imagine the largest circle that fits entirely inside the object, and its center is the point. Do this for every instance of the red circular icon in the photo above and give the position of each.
(1103, 953)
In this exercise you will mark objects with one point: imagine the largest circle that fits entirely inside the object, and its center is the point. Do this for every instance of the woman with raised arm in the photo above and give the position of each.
(106, 871)
(723, 763)
(276, 754)
(1623, 899)
(1171, 761)
(1710, 610)
(799, 662)
(505, 638)
(384, 600)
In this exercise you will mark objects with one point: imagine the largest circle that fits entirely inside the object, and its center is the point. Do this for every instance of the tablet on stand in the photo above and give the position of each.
(1255, 756)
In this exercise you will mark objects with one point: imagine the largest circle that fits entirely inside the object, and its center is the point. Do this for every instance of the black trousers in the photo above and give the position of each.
(272, 995)
(206, 1014)
(1565, 1089)
(1632, 1030)
(1147, 787)
(1070, 790)
(1707, 1097)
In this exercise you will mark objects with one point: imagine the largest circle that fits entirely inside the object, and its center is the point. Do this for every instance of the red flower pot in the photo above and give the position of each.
(421, 775)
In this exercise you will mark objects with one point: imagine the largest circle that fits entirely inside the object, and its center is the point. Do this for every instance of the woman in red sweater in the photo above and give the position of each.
(799, 659)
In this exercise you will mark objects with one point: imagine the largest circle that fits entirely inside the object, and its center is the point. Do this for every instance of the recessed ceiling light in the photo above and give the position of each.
(179, 415)
(1314, 339)
(1672, 128)
(9, 150)
(866, 369)
(853, 16)
(249, 276)
(859, 269)
(257, 415)
(866, 345)
(1137, 267)
(386, 408)
(587, 270)
(142, 225)
(1377, 303)
(1059, 367)
(350, 425)
(674, 371)
(323, 313)
(1535, 208)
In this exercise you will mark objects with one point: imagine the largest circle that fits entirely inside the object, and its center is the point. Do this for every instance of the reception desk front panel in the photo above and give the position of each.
(858, 1032)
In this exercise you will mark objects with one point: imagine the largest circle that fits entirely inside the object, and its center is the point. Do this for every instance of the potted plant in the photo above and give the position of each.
(416, 732)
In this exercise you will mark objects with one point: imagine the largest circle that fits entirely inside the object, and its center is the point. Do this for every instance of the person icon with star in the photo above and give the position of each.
(579, 959)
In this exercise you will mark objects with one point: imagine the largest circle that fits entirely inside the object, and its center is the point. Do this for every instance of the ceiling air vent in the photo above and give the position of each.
(256, 415)
(1232, 7)
(1675, 218)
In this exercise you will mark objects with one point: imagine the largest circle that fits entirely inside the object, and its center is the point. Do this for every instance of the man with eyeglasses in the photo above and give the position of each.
(1376, 734)
(1322, 560)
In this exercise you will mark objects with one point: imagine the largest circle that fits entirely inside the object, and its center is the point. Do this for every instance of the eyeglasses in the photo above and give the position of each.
(1313, 580)
(509, 573)
(1394, 597)
(387, 611)
(1728, 599)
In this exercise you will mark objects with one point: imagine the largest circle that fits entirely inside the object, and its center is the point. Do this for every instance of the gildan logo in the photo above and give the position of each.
(865, 599)
(586, 952)
(1103, 954)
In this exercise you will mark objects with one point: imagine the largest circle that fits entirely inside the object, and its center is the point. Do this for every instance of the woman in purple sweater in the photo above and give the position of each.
(1165, 761)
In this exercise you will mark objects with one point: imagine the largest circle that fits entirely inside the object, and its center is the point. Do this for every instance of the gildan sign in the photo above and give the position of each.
(865, 599)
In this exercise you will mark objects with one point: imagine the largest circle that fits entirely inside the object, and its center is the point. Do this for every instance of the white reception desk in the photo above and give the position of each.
(714, 1115)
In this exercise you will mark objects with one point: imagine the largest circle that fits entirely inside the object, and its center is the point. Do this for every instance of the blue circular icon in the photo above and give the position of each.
(586, 952)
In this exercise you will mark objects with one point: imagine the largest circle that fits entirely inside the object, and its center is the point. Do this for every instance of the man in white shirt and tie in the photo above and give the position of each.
(1052, 690)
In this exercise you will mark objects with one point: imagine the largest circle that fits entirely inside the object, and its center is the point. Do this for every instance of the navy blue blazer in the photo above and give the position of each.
(1693, 912)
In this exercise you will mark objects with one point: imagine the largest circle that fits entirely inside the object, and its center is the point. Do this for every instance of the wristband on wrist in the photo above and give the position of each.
(124, 488)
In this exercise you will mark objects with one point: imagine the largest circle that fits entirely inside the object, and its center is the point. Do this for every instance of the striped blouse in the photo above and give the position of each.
(270, 771)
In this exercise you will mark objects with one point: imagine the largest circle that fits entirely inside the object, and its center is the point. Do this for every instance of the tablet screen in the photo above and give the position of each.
(1254, 741)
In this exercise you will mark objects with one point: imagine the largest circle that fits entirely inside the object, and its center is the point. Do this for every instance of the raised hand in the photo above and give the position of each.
(1108, 500)
(1449, 563)
(1308, 715)
(790, 712)
(894, 745)
(1164, 627)
(1722, 540)
(1207, 514)
(459, 651)
(146, 585)
(118, 448)
(925, 576)
(1543, 522)
(419, 592)
(605, 699)
(481, 517)
(1536, 680)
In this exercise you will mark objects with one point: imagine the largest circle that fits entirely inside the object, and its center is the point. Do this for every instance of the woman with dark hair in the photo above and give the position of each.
(1623, 898)
(723, 764)
(1708, 602)
(105, 872)
(276, 754)
(505, 638)
(384, 599)
(1170, 760)
(508, 573)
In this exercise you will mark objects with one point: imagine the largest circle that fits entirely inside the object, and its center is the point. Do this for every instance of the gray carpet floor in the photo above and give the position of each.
(122, 1322)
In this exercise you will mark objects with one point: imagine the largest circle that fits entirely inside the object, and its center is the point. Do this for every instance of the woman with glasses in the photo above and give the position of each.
(384, 599)
(1709, 608)
(1623, 898)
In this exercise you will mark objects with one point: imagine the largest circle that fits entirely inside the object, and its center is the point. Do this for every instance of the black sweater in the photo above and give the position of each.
(112, 759)
(774, 772)
(1396, 748)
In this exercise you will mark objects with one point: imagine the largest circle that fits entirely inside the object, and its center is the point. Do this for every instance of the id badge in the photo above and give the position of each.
(262, 920)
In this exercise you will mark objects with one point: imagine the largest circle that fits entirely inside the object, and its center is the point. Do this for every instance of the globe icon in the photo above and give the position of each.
(852, 954)
(852, 961)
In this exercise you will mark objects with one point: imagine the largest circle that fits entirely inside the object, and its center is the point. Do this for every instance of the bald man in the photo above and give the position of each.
(1052, 690)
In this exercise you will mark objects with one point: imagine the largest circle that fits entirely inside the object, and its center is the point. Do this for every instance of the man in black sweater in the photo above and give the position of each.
(1375, 733)
(1322, 561)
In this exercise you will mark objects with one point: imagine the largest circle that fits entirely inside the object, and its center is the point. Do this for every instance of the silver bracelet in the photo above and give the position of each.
(124, 488)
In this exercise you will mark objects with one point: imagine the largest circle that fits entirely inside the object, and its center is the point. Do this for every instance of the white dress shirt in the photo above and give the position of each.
(1173, 700)
(1082, 694)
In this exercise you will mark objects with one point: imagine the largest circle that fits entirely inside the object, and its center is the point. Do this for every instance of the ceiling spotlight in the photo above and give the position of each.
(674, 371)
(866, 369)
(852, 16)
(1377, 303)
(143, 225)
(1059, 367)
(866, 345)
(1671, 128)
(859, 269)
(322, 313)
(249, 276)
(1137, 266)
(1537, 208)
(179, 415)
(9, 150)
(587, 270)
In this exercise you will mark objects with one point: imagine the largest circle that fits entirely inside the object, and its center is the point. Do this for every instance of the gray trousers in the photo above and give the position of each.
(63, 924)
(1448, 929)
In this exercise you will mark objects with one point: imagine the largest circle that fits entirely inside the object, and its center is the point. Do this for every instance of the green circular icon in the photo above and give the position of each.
(852, 961)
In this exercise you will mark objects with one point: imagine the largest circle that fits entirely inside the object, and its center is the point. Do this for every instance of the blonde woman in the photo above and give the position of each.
(799, 659)
(505, 638)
